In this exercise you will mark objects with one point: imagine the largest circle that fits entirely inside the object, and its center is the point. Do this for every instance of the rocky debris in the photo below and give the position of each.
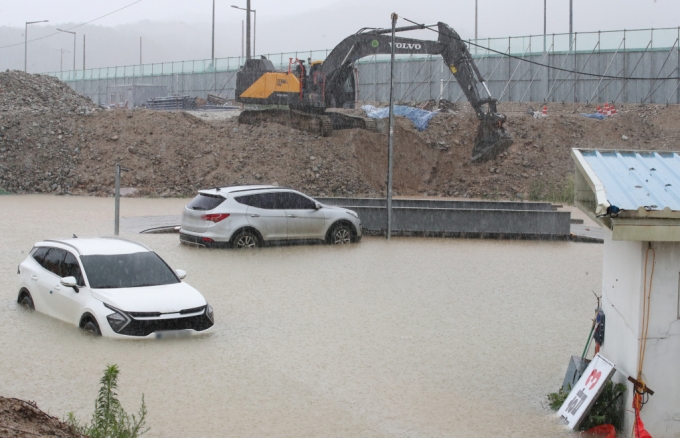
(433, 105)
(177, 153)
(21, 91)
(19, 418)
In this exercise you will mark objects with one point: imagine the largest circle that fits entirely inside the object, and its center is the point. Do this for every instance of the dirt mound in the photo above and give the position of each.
(21, 91)
(177, 153)
(19, 418)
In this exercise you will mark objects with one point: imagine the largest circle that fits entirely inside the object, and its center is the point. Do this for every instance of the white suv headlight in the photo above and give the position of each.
(209, 313)
(117, 320)
(353, 213)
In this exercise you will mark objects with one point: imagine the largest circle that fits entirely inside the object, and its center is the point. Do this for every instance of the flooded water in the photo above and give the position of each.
(414, 337)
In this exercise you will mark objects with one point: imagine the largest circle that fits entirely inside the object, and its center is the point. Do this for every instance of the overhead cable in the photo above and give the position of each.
(540, 64)
(70, 28)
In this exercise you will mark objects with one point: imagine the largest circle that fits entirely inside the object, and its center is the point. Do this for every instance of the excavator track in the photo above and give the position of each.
(313, 123)
(320, 124)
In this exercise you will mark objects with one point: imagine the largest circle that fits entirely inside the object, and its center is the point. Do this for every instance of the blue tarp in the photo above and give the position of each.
(595, 116)
(419, 117)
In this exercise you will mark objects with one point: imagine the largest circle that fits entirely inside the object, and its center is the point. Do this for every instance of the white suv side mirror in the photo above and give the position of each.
(181, 274)
(317, 205)
(70, 282)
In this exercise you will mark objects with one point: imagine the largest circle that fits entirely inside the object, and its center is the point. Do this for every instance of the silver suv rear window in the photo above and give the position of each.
(205, 202)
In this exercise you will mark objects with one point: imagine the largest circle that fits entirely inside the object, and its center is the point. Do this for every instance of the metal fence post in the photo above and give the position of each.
(117, 202)
(509, 66)
(391, 134)
(625, 68)
(575, 67)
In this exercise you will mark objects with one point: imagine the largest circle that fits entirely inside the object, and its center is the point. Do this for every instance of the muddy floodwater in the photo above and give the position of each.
(415, 337)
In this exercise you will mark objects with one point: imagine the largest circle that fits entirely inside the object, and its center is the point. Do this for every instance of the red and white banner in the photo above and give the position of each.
(586, 391)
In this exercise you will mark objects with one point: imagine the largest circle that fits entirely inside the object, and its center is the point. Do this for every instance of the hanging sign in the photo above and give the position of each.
(586, 391)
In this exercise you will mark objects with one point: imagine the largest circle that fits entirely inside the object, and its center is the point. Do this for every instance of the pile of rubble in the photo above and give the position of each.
(26, 92)
(46, 147)
(19, 418)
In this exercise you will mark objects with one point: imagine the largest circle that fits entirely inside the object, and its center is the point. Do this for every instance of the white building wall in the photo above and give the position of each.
(622, 294)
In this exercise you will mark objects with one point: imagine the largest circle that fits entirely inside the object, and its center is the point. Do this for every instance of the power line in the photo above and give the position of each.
(538, 63)
(74, 27)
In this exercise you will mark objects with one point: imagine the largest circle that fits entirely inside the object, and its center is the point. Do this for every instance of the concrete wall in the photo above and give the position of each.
(461, 218)
(428, 78)
(622, 295)
(435, 203)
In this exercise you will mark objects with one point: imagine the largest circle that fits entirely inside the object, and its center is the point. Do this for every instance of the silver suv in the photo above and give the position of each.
(252, 216)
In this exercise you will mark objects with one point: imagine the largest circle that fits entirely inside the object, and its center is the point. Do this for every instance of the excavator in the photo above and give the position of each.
(309, 90)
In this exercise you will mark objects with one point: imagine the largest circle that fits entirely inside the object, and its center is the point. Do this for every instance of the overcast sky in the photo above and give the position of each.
(292, 25)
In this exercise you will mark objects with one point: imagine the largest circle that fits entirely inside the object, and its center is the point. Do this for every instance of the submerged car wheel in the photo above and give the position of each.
(91, 326)
(246, 239)
(341, 235)
(26, 301)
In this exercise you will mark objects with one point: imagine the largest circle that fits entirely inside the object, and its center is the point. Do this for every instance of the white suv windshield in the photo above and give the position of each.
(127, 270)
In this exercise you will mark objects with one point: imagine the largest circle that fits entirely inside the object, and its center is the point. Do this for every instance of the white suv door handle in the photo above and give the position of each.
(254, 215)
(291, 215)
(57, 287)
(34, 277)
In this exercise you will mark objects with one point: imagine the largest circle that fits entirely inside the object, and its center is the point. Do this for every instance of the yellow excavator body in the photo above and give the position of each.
(270, 83)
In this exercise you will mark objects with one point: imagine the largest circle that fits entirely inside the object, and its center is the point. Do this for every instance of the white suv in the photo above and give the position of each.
(251, 216)
(111, 287)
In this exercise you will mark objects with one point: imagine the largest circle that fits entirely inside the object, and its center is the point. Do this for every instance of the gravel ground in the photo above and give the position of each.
(55, 141)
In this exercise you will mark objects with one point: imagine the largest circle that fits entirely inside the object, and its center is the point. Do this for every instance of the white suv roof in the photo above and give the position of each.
(233, 189)
(98, 245)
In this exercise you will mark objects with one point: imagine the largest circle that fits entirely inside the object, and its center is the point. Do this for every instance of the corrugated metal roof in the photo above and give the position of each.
(637, 180)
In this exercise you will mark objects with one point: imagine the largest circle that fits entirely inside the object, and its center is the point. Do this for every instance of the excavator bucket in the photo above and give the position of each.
(492, 138)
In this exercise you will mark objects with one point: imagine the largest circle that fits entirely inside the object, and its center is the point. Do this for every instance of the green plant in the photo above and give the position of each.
(561, 192)
(556, 399)
(536, 191)
(109, 419)
(608, 408)
(4, 192)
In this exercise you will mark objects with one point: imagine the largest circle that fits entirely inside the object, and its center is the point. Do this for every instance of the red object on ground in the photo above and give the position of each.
(613, 109)
(638, 425)
(545, 110)
(599, 109)
(602, 431)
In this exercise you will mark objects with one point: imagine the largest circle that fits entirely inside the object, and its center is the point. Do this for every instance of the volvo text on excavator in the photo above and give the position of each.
(308, 90)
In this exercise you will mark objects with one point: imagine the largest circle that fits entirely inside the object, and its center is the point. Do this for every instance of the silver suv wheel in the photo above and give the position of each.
(246, 239)
(341, 235)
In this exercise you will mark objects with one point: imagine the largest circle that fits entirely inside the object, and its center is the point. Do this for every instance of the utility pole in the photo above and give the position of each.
(571, 23)
(140, 51)
(390, 140)
(83, 56)
(26, 42)
(545, 23)
(74, 46)
(61, 59)
(243, 33)
(476, 15)
(247, 29)
(213, 36)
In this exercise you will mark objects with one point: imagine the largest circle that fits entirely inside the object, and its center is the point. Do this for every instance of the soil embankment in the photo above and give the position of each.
(55, 141)
(22, 419)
